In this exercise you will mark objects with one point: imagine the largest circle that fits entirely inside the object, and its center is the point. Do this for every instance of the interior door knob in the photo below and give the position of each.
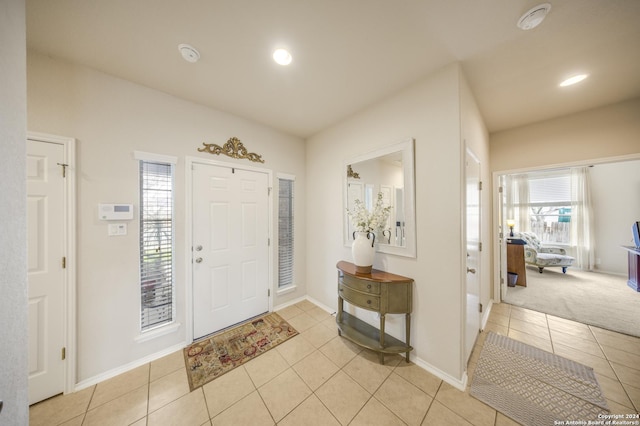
(473, 271)
(198, 248)
(198, 260)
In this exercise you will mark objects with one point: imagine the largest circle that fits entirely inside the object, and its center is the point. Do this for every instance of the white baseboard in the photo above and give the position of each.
(321, 305)
(301, 299)
(289, 303)
(127, 367)
(485, 315)
(460, 384)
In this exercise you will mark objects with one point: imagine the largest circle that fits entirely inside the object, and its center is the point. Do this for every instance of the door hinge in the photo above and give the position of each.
(500, 189)
(268, 242)
(64, 353)
(269, 292)
(500, 235)
(269, 190)
(64, 169)
(64, 262)
(480, 246)
(233, 170)
(480, 186)
(480, 307)
(501, 280)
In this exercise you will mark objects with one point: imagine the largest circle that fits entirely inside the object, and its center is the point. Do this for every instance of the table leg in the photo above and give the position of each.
(408, 327)
(381, 355)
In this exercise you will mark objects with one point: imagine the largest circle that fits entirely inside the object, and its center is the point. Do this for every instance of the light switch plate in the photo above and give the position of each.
(117, 229)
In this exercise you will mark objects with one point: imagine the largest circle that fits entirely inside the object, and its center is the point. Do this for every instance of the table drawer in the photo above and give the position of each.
(361, 285)
(367, 301)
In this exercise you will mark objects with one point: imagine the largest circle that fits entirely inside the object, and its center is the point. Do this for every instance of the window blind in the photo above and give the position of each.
(285, 232)
(156, 243)
(550, 189)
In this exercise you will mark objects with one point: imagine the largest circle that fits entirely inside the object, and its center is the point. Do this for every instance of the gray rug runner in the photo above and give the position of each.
(535, 387)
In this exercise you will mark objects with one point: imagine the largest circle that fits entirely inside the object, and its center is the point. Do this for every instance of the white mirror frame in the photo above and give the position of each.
(408, 163)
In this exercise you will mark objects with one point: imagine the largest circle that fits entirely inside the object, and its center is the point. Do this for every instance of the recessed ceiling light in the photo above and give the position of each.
(282, 56)
(534, 16)
(189, 53)
(573, 80)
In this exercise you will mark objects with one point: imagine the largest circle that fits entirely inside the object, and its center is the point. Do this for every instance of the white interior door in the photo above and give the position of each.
(472, 325)
(45, 234)
(230, 246)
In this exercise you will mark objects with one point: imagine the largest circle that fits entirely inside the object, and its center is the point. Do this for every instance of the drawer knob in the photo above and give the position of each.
(368, 302)
(368, 286)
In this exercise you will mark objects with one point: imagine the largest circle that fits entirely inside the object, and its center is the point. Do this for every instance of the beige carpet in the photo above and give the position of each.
(593, 298)
(535, 387)
(213, 356)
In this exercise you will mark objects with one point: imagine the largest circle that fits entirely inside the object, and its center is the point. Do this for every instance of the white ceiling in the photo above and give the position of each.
(351, 53)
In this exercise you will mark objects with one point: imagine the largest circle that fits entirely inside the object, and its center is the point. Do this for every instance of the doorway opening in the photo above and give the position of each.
(600, 263)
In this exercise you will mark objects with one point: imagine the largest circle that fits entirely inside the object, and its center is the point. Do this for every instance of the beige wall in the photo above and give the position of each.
(111, 118)
(13, 212)
(609, 131)
(614, 211)
(430, 112)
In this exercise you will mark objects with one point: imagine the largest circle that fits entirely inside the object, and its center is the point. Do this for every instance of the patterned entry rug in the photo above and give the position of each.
(215, 355)
(535, 387)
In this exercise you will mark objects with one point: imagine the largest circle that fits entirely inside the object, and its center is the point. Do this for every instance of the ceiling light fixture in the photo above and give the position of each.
(282, 57)
(189, 53)
(573, 80)
(534, 16)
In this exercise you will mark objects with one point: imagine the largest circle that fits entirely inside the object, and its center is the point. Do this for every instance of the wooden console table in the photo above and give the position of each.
(380, 292)
(634, 267)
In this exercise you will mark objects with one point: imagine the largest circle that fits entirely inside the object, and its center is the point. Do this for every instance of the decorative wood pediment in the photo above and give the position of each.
(233, 148)
(351, 173)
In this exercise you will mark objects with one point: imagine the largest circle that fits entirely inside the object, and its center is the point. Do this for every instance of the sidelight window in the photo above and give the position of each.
(157, 301)
(285, 231)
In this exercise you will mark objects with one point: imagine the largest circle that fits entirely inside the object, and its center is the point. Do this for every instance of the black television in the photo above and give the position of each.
(636, 234)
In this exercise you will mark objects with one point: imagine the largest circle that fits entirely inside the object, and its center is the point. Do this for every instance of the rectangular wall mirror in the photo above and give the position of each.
(389, 171)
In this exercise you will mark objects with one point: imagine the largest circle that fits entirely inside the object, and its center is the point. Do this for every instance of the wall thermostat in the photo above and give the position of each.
(115, 211)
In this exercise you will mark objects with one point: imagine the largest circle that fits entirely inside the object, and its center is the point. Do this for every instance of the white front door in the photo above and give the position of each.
(472, 325)
(45, 242)
(230, 246)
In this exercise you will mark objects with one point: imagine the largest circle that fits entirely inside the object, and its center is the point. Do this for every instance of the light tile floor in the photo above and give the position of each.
(319, 378)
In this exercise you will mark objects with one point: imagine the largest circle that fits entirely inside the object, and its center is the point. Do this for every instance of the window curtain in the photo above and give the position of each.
(518, 201)
(582, 218)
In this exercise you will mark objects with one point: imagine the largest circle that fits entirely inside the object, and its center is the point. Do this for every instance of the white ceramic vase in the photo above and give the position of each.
(363, 250)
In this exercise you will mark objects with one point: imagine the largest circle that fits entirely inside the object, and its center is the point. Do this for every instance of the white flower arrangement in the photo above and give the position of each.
(365, 221)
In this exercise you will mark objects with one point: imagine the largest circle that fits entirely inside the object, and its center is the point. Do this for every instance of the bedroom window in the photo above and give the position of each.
(541, 203)
(157, 301)
(556, 206)
(550, 204)
(285, 231)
